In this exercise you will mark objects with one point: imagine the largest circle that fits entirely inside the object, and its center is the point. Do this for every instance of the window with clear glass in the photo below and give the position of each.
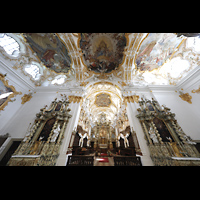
(33, 70)
(59, 80)
(10, 45)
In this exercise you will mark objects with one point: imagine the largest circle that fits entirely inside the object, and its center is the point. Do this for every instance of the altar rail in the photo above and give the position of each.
(80, 161)
(118, 161)
(127, 161)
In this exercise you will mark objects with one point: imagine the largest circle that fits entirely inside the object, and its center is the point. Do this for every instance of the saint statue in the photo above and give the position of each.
(153, 135)
(56, 133)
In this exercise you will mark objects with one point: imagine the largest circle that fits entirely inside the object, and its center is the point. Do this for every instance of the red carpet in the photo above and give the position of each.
(103, 160)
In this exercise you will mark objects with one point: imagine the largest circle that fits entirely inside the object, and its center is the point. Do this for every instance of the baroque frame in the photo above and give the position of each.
(5, 82)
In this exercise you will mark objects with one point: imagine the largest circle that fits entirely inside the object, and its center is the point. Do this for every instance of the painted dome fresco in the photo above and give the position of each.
(102, 52)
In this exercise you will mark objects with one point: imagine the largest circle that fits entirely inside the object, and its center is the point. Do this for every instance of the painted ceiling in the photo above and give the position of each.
(102, 52)
(104, 63)
(155, 50)
(82, 59)
(103, 100)
(50, 50)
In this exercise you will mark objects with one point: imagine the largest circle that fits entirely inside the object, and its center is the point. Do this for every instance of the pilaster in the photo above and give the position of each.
(134, 122)
(73, 121)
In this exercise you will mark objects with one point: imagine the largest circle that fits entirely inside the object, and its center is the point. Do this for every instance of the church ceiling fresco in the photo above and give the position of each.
(124, 59)
(102, 52)
(155, 49)
(103, 100)
(50, 50)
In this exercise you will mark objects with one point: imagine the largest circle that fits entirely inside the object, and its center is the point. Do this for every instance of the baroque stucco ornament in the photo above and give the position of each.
(8, 90)
(185, 97)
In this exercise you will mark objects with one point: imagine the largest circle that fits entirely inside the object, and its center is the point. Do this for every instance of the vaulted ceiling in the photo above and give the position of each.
(110, 59)
(122, 58)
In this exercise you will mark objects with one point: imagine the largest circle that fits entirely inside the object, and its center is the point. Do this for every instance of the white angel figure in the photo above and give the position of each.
(81, 139)
(124, 137)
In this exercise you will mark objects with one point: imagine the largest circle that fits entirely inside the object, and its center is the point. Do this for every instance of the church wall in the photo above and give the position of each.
(26, 114)
(12, 108)
(186, 114)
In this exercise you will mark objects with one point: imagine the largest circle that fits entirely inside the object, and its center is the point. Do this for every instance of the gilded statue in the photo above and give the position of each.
(174, 147)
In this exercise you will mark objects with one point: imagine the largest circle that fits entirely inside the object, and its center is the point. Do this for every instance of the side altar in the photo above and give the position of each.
(40, 146)
(167, 142)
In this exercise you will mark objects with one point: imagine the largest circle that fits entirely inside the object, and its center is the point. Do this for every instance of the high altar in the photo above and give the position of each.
(103, 133)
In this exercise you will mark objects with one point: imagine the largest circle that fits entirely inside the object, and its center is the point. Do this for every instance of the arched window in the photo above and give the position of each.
(10, 45)
(59, 80)
(34, 70)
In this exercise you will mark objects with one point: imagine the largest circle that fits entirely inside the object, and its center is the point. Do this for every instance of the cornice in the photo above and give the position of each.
(59, 89)
(188, 81)
(149, 88)
(17, 78)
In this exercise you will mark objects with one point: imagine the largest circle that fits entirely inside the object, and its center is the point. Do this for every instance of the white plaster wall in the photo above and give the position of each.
(12, 107)
(26, 113)
(187, 114)
(19, 123)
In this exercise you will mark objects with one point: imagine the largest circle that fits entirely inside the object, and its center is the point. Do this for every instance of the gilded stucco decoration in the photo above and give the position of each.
(196, 91)
(75, 99)
(26, 98)
(7, 92)
(185, 97)
(132, 98)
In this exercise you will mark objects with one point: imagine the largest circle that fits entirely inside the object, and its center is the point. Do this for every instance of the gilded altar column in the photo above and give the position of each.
(131, 108)
(96, 138)
(75, 106)
(110, 138)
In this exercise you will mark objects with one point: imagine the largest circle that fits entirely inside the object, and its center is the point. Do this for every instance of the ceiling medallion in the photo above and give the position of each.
(50, 50)
(103, 100)
(102, 52)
